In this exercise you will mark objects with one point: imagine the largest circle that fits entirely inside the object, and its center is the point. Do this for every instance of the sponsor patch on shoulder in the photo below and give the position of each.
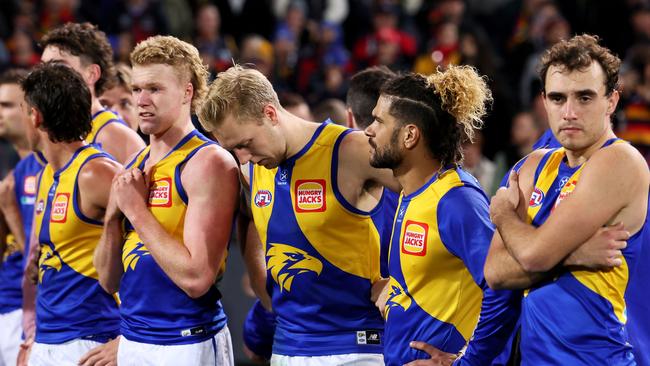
(160, 193)
(310, 195)
(29, 185)
(60, 207)
(415, 237)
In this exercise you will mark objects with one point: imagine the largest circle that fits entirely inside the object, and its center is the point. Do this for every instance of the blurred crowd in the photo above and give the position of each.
(310, 48)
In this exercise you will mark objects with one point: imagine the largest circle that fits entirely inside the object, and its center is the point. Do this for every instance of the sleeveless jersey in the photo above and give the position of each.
(578, 317)
(11, 270)
(154, 309)
(100, 120)
(440, 241)
(322, 254)
(70, 303)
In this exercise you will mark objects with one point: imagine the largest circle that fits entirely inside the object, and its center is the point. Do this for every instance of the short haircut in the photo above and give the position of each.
(446, 106)
(63, 98)
(579, 53)
(238, 91)
(180, 55)
(13, 76)
(121, 79)
(88, 43)
(363, 93)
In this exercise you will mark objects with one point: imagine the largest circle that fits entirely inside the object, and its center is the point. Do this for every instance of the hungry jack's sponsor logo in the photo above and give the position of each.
(60, 207)
(414, 241)
(310, 195)
(160, 193)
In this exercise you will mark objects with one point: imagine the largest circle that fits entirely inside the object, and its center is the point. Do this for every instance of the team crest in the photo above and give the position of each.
(48, 261)
(536, 198)
(160, 193)
(29, 185)
(310, 195)
(414, 241)
(263, 198)
(131, 258)
(397, 297)
(286, 262)
(60, 207)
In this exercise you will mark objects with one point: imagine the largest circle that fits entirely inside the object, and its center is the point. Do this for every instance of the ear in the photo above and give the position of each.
(189, 93)
(411, 136)
(271, 112)
(36, 117)
(612, 102)
(93, 73)
(351, 121)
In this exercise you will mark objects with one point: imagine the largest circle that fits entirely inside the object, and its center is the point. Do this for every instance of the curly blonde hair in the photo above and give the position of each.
(464, 94)
(182, 56)
(446, 106)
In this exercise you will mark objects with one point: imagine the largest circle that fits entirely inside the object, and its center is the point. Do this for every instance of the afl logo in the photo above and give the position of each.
(263, 198)
(536, 198)
(40, 207)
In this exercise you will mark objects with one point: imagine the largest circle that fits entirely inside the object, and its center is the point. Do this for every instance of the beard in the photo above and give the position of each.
(388, 157)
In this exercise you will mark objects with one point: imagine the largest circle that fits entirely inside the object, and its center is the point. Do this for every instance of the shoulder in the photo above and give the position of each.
(619, 161)
(209, 164)
(353, 141)
(98, 170)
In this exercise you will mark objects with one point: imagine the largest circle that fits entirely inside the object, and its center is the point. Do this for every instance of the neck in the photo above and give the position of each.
(59, 154)
(579, 157)
(162, 142)
(415, 172)
(297, 131)
(95, 105)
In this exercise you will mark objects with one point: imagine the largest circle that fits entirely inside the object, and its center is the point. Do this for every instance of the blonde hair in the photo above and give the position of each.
(237, 91)
(181, 55)
(464, 94)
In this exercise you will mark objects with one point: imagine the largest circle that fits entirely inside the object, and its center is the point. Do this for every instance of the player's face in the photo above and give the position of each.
(383, 135)
(55, 54)
(120, 100)
(161, 98)
(258, 143)
(13, 120)
(578, 110)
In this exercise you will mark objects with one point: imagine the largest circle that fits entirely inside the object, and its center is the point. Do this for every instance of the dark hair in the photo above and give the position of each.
(578, 53)
(13, 76)
(446, 106)
(63, 98)
(363, 93)
(290, 100)
(87, 42)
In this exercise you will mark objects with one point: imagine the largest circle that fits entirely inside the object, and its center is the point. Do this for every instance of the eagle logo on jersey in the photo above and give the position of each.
(131, 258)
(286, 262)
(397, 297)
(48, 260)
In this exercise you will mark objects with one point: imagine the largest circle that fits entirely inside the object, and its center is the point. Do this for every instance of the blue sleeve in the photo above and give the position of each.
(259, 329)
(465, 227)
(383, 220)
(466, 230)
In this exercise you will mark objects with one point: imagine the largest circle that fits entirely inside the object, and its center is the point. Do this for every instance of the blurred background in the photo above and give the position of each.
(310, 48)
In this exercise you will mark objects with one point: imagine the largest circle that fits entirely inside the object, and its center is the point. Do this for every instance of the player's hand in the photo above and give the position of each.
(438, 358)
(255, 358)
(24, 351)
(603, 250)
(506, 198)
(379, 294)
(131, 190)
(104, 355)
(31, 269)
(112, 210)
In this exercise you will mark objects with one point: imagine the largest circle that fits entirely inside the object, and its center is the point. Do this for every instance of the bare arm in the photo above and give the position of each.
(613, 178)
(11, 211)
(108, 254)
(120, 141)
(211, 182)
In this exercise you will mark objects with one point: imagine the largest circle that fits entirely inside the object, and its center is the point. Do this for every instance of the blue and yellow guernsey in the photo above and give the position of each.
(437, 291)
(154, 309)
(578, 317)
(26, 177)
(322, 254)
(11, 270)
(100, 120)
(70, 303)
